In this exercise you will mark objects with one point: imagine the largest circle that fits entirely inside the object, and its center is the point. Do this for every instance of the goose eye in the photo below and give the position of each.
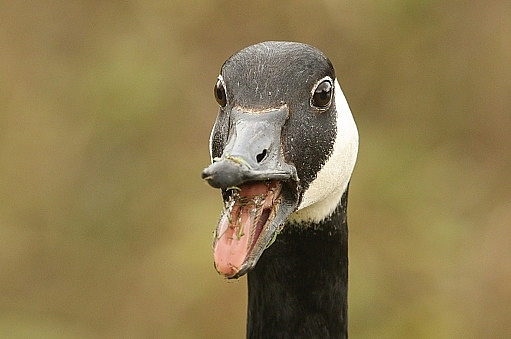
(322, 95)
(220, 93)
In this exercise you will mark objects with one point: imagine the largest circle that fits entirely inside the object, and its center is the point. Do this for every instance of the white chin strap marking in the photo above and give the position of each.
(325, 192)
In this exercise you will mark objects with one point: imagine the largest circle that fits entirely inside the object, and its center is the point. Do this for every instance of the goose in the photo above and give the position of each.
(283, 148)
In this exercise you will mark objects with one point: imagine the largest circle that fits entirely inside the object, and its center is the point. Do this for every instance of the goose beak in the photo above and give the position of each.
(258, 186)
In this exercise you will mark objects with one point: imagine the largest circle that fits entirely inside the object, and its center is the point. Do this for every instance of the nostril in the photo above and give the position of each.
(260, 157)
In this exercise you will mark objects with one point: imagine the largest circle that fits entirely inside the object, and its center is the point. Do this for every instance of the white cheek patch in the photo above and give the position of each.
(211, 142)
(324, 193)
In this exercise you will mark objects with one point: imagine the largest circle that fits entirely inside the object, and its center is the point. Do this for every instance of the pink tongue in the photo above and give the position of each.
(234, 236)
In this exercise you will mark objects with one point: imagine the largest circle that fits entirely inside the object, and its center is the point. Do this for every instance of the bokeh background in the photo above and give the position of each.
(105, 113)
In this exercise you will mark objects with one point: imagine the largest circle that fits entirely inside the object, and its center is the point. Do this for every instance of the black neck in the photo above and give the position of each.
(298, 289)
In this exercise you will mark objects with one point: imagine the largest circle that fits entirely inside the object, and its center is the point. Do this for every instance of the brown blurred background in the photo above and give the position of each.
(105, 113)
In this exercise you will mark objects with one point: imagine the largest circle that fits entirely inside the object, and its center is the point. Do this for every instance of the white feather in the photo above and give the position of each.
(325, 191)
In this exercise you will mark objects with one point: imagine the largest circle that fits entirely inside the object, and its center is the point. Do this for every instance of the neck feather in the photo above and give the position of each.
(298, 289)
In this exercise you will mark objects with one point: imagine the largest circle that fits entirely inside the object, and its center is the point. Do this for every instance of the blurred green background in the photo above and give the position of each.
(105, 114)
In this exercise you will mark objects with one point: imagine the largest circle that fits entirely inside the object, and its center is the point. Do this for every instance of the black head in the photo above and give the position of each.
(270, 75)
(276, 130)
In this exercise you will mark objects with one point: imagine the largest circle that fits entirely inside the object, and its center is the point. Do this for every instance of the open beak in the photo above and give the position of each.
(258, 186)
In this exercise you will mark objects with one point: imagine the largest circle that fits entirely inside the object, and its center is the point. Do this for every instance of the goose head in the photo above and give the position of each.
(283, 148)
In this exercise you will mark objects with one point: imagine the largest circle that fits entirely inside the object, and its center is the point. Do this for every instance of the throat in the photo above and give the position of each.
(298, 289)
